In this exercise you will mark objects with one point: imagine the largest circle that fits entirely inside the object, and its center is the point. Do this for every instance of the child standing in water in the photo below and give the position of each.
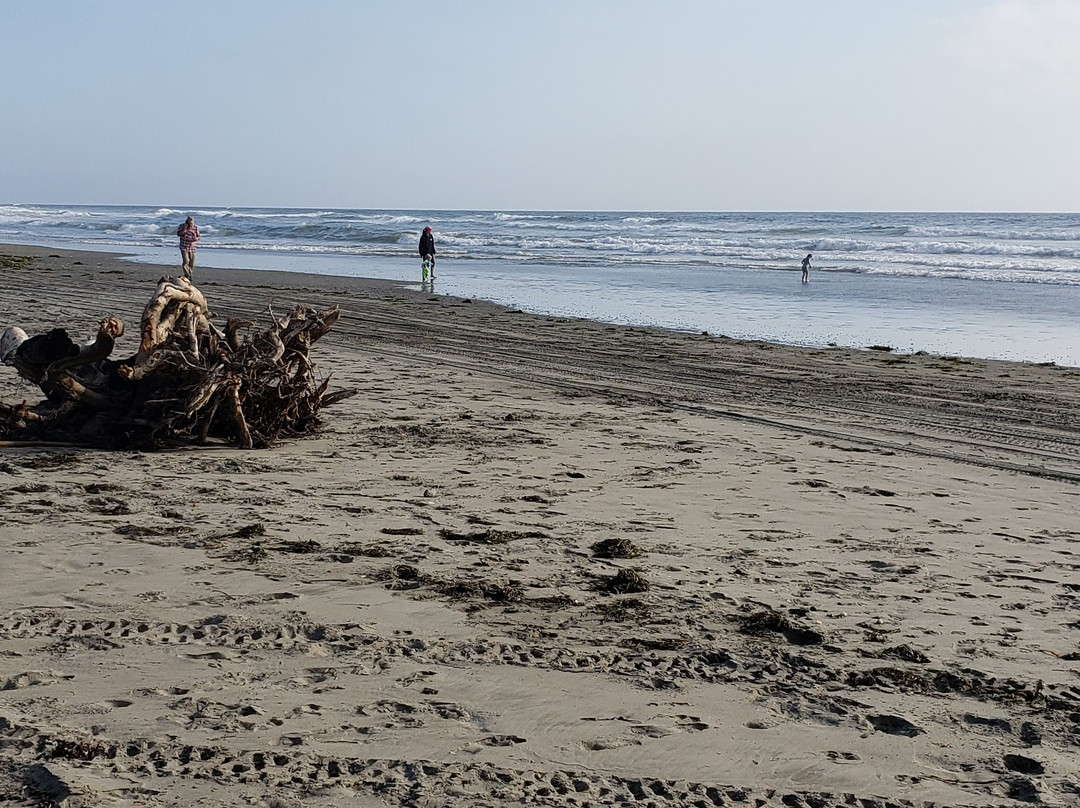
(806, 268)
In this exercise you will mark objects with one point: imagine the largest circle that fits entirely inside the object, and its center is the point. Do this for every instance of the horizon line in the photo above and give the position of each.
(988, 212)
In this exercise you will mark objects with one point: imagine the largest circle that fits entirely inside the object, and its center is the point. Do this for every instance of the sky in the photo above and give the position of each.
(711, 105)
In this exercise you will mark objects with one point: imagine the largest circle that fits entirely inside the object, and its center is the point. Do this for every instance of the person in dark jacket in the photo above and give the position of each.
(427, 253)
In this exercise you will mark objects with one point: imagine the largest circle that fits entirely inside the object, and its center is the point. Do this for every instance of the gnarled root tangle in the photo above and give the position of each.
(188, 382)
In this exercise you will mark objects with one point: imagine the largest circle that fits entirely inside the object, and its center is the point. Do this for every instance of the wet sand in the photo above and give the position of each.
(854, 576)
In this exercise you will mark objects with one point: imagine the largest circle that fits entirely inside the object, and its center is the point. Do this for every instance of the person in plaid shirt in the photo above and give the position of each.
(189, 234)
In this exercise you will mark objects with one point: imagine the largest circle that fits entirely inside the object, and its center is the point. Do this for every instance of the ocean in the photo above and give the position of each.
(959, 284)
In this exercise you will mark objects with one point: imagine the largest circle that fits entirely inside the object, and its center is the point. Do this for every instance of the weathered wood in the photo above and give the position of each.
(188, 381)
(175, 301)
(109, 330)
(10, 341)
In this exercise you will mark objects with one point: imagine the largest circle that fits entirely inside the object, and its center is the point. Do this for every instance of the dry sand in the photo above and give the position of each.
(862, 569)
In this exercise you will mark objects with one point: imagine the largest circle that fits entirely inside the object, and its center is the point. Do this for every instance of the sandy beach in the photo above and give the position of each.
(546, 561)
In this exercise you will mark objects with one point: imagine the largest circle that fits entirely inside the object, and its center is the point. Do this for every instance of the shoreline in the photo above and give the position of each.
(908, 315)
(1016, 416)
(854, 580)
(291, 279)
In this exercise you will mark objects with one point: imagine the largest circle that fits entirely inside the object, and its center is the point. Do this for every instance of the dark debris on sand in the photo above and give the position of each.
(768, 621)
(491, 536)
(625, 582)
(407, 576)
(617, 548)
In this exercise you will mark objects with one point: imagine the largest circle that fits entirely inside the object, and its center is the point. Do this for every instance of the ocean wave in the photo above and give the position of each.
(526, 216)
(245, 213)
(31, 214)
(884, 229)
(1022, 247)
(984, 274)
(1062, 232)
(846, 245)
(639, 220)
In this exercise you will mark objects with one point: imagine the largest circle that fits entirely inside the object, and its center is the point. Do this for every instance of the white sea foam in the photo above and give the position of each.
(526, 216)
(1004, 247)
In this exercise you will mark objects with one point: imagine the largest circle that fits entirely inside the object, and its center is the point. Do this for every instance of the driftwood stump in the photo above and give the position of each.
(188, 382)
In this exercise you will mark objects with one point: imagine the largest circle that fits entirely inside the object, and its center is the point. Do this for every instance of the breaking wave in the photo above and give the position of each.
(1027, 248)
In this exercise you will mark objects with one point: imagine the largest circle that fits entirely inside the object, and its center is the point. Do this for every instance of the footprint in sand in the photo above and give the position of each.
(651, 731)
(989, 724)
(691, 723)
(212, 655)
(843, 757)
(894, 725)
(1024, 765)
(32, 679)
(501, 740)
(609, 742)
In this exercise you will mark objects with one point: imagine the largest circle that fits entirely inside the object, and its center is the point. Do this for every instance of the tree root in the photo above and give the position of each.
(188, 382)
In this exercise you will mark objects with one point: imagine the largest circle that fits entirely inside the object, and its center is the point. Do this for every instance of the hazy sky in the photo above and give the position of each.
(505, 104)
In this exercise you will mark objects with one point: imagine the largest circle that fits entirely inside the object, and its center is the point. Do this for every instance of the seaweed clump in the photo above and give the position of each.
(617, 548)
(625, 582)
(769, 621)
